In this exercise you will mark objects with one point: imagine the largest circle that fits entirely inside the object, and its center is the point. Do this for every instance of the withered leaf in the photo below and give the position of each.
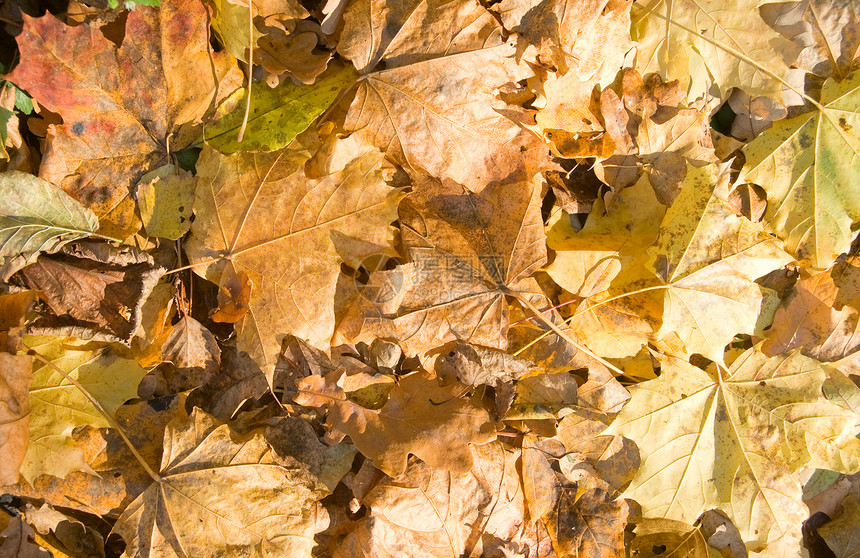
(591, 526)
(122, 108)
(469, 252)
(220, 493)
(451, 130)
(15, 374)
(435, 423)
(92, 290)
(277, 226)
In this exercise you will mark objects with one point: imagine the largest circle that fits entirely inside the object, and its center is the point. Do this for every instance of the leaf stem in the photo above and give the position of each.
(113, 422)
(241, 135)
(534, 309)
(592, 307)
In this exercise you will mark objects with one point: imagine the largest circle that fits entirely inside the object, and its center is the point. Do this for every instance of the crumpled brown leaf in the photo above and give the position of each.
(140, 100)
(433, 422)
(92, 289)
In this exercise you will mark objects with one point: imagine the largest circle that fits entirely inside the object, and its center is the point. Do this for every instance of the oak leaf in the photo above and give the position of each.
(807, 165)
(422, 418)
(220, 493)
(745, 431)
(123, 108)
(280, 228)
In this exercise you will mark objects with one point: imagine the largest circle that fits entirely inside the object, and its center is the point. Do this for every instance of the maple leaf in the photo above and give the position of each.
(422, 418)
(58, 405)
(452, 129)
(807, 166)
(280, 228)
(469, 252)
(835, 41)
(708, 258)
(745, 431)
(430, 512)
(218, 493)
(732, 43)
(820, 316)
(123, 108)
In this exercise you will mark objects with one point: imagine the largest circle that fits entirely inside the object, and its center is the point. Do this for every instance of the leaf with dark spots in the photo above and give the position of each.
(125, 107)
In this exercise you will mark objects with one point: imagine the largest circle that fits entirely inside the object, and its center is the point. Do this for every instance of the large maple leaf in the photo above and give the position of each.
(708, 258)
(220, 495)
(281, 229)
(419, 98)
(745, 431)
(124, 108)
(679, 38)
(809, 167)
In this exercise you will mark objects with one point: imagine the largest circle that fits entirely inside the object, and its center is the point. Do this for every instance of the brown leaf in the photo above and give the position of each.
(590, 527)
(667, 537)
(14, 307)
(468, 252)
(194, 352)
(233, 299)
(92, 289)
(219, 495)
(239, 380)
(290, 51)
(17, 541)
(428, 512)
(540, 486)
(15, 374)
(590, 37)
(122, 107)
(422, 418)
(452, 130)
(63, 534)
(820, 316)
(280, 228)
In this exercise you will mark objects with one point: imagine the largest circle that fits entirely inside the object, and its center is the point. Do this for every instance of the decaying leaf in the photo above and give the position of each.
(93, 290)
(277, 226)
(746, 430)
(221, 493)
(165, 197)
(109, 128)
(422, 418)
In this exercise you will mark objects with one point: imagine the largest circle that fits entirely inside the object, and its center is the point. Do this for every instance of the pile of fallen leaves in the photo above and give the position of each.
(428, 278)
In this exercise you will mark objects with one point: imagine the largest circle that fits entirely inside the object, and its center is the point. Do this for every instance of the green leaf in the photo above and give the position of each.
(36, 216)
(165, 197)
(58, 406)
(278, 115)
(810, 168)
